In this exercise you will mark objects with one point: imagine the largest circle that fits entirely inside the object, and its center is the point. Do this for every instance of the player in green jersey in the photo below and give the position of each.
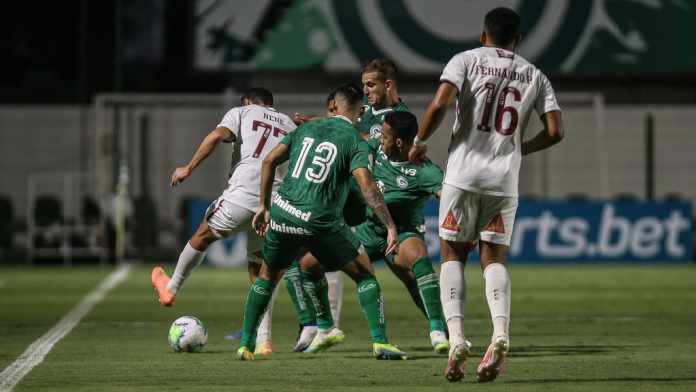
(406, 188)
(307, 215)
(381, 96)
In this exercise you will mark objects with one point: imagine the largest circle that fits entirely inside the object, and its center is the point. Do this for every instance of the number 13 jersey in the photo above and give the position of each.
(497, 91)
(257, 130)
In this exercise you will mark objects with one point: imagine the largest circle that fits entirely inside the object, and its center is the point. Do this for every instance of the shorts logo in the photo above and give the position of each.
(450, 222)
(402, 182)
(259, 290)
(496, 225)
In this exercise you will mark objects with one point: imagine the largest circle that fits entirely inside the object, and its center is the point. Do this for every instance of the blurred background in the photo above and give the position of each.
(100, 101)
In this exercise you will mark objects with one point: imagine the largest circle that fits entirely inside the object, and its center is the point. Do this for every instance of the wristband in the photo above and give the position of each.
(418, 142)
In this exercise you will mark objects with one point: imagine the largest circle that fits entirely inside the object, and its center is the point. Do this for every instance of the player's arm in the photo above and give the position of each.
(550, 135)
(431, 120)
(375, 200)
(206, 148)
(277, 156)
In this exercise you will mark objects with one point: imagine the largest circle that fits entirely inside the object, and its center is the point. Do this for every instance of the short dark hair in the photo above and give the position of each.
(350, 93)
(404, 124)
(259, 95)
(502, 25)
(385, 68)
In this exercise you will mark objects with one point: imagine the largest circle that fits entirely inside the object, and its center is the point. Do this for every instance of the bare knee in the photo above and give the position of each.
(451, 250)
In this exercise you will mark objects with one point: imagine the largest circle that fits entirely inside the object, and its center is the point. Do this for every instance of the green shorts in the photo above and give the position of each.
(376, 244)
(333, 249)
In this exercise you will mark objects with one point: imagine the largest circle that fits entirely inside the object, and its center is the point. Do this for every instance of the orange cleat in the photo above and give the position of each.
(265, 348)
(493, 362)
(456, 363)
(160, 280)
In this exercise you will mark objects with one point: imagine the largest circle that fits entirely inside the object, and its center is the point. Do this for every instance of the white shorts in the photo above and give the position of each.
(466, 216)
(226, 218)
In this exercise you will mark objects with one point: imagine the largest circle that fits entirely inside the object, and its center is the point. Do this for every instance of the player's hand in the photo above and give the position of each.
(260, 221)
(417, 153)
(300, 119)
(180, 174)
(392, 241)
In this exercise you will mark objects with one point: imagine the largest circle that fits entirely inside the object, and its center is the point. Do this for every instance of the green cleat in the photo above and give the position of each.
(244, 354)
(439, 341)
(323, 340)
(387, 351)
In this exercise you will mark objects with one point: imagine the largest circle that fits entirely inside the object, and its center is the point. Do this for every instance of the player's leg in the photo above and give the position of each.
(458, 232)
(335, 281)
(264, 345)
(303, 305)
(413, 255)
(494, 245)
(407, 277)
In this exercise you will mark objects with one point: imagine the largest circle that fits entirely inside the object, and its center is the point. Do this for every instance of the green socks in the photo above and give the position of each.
(256, 303)
(429, 289)
(317, 288)
(304, 307)
(370, 298)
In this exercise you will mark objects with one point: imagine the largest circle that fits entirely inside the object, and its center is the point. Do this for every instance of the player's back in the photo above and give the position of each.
(498, 90)
(258, 129)
(323, 154)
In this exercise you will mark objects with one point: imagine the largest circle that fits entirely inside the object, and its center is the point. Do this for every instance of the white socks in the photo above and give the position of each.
(452, 295)
(188, 260)
(264, 331)
(335, 280)
(498, 296)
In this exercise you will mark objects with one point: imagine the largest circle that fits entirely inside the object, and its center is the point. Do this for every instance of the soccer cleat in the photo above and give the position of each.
(439, 341)
(306, 337)
(265, 348)
(493, 362)
(159, 281)
(324, 340)
(244, 354)
(456, 363)
(387, 351)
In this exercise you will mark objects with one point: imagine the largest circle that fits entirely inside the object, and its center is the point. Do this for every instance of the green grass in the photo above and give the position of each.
(598, 328)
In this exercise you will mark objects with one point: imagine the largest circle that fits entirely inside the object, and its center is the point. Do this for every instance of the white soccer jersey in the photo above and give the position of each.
(497, 91)
(257, 130)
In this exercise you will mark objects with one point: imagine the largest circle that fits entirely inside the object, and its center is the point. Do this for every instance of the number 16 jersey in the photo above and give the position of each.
(257, 130)
(497, 92)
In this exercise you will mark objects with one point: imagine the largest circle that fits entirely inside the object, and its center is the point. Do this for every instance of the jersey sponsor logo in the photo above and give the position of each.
(259, 290)
(290, 209)
(450, 222)
(402, 182)
(496, 225)
(411, 172)
(283, 228)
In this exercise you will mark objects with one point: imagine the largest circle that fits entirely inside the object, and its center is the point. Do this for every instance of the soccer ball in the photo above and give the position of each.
(187, 334)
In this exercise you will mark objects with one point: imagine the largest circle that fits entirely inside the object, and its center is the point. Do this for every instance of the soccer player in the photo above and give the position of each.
(381, 96)
(307, 215)
(496, 91)
(406, 188)
(257, 128)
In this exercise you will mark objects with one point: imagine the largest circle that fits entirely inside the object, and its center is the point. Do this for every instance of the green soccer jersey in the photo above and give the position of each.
(323, 155)
(371, 120)
(406, 188)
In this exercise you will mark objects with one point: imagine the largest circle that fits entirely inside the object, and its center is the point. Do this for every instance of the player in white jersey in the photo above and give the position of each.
(256, 128)
(496, 91)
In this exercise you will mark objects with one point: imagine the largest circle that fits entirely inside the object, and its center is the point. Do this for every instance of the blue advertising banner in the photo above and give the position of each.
(554, 231)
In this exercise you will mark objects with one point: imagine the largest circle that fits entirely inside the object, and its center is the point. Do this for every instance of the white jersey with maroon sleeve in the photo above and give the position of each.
(498, 90)
(257, 130)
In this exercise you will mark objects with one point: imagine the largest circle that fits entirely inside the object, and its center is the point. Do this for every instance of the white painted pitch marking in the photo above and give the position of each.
(38, 350)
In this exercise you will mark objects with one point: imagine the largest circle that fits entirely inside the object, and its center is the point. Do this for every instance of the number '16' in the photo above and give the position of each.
(500, 110)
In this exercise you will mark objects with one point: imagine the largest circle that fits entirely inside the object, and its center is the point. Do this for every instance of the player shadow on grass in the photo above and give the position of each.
(552, 351)
(604, 379)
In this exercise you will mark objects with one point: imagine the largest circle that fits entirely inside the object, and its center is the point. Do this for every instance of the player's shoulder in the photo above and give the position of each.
(401, 107)
(429, 169)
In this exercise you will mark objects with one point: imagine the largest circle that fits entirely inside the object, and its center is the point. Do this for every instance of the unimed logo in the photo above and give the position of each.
(603, 231)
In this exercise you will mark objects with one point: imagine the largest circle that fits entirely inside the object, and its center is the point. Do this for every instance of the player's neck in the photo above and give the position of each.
(392, 99)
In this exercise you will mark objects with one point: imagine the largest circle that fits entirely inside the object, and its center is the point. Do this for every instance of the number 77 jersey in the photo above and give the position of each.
(498, 90)
(257, 130)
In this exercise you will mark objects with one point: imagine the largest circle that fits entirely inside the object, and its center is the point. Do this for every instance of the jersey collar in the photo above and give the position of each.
(385, 110)
(342, 117)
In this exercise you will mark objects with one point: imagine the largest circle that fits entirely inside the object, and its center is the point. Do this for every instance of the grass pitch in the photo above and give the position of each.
(590, 327)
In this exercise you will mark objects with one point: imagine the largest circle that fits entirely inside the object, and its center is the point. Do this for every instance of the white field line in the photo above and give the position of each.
(38, 350)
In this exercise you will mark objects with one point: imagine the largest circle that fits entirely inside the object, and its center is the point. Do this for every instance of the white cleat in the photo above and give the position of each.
(456, 363)
(494, 361)
(306, 336)
(325, 339)
(439, 341)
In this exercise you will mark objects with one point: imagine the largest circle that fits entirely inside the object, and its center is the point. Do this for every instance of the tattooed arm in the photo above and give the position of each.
(375, 200)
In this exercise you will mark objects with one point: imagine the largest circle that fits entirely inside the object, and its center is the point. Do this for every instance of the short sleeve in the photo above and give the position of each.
(455, 70)
(431, 177)
(361, 156)
(546, 98)
(232, 121)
